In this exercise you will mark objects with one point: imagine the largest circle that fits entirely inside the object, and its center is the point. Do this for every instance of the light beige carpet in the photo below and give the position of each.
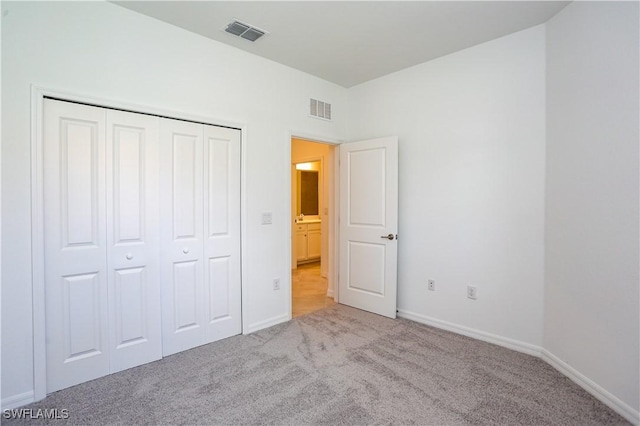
(336, 366)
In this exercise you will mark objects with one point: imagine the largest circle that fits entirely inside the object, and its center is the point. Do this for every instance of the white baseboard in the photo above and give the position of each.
(251, 328)
(515, 345)
(593, 388)
(19, 400)
(330, 293)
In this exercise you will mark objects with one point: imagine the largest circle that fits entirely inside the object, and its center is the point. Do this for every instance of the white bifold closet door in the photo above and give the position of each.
(141, 238)
(101, 227)
(200, 234)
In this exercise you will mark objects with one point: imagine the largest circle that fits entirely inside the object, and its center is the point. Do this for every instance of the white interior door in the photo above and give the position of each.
(369, 225)
(222, 232)
(133, 242)
(181, 235)
(75, 244)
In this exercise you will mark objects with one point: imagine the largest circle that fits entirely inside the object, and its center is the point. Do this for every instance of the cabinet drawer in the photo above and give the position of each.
(314, 226)
(301, 228)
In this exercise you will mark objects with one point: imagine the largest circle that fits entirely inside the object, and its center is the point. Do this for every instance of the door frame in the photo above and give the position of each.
(334, 196)
(38, 94)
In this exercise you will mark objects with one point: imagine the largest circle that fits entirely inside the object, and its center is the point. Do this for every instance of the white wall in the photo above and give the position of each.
(592, 194)
(102, 50)
(471, 129)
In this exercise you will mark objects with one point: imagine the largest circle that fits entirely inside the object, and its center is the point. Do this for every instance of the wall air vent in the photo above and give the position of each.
(245, 31)
(319, 109)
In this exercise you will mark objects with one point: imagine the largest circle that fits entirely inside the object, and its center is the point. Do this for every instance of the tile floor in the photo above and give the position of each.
(309, 290)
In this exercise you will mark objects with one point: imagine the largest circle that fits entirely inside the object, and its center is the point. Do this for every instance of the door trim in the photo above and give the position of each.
(38, 94)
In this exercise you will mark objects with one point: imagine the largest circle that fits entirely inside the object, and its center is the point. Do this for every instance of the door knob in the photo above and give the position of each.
(129, 256)
(185, 250)
(388, 237)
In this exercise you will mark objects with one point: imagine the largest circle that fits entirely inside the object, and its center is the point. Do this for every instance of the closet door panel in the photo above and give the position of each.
(185, 295)
(185, 191)
(128, 152)
(133, 239)
(220, 288)
(222, 232)
(181, 235)
(74, 244)
(82, 325)
(131, 307)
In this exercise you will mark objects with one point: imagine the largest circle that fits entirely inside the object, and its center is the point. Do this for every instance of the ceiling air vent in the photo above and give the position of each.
(319, 109)
(245, 31)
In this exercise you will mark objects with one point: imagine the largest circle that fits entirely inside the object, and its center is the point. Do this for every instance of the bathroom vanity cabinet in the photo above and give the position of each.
(308, 241)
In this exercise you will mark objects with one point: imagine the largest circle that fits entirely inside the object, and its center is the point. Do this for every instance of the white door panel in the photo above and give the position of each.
(222, 232)
(185, 291)
(219, 289)
(75, 246)
(181, 235)
(365, 169)
(133, 239)
(370, 279)
(368, 213)
(82, 322)
(186, 184)
(130, 306)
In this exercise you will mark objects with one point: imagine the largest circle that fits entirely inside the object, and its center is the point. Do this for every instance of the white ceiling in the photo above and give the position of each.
(349, 43)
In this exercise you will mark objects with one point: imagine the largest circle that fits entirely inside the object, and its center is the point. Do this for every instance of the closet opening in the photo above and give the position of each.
(136, 218)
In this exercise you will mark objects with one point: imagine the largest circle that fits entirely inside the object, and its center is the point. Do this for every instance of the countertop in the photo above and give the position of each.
(305, 221)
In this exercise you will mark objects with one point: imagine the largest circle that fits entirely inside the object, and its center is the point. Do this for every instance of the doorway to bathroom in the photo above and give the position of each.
(312, 221)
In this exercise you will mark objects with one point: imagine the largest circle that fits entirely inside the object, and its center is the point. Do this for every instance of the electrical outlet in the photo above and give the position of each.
(472, 292)
(276, 283)
(432, 285)
(267, 218)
